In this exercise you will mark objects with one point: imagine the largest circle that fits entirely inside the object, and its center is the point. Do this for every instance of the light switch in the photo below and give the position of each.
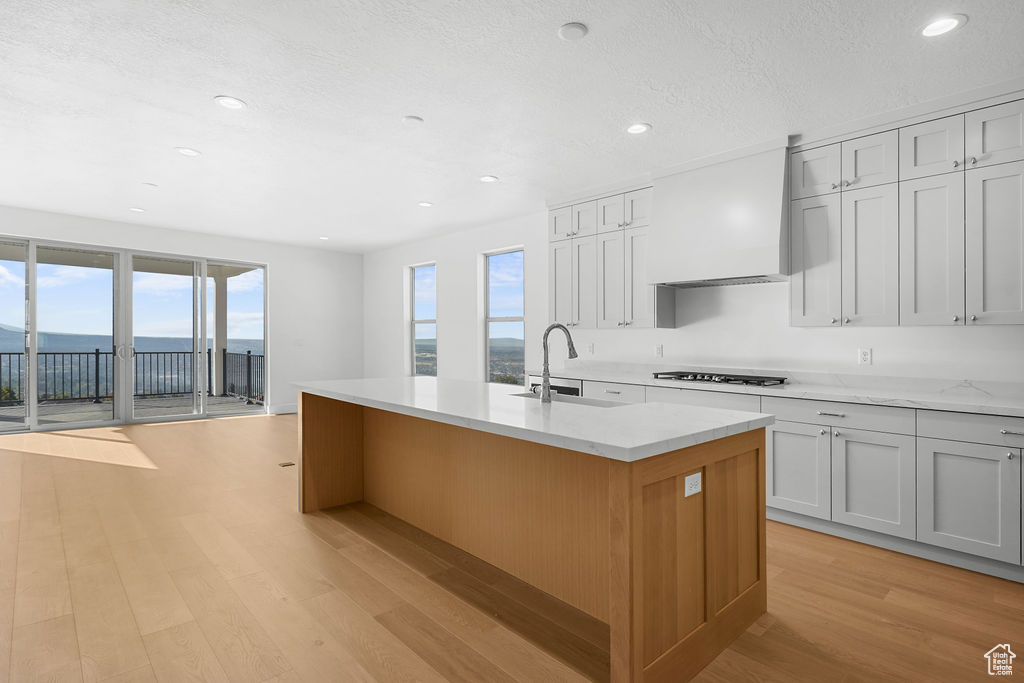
(692, 484)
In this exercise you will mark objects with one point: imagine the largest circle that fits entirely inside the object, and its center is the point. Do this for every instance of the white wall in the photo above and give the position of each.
(460, 332)
(315, 298)
(744, 326)
(748, 326)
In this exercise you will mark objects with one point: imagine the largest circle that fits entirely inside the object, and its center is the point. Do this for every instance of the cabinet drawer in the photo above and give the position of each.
(707, 399)
(612, 391)
(853, 415)
(988, 429)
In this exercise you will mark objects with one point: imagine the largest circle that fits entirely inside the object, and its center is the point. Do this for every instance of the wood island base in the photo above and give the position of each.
(677, 578)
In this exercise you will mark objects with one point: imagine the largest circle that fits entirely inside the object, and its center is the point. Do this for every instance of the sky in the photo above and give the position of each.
(504, 295)
(80, 300)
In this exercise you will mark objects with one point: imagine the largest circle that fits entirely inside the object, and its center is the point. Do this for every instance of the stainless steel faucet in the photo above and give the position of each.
(545, 386)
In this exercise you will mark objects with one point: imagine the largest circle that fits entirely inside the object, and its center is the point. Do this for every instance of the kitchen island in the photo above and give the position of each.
(593, 502)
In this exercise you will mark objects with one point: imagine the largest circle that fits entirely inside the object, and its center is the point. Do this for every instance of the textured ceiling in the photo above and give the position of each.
(96, 94)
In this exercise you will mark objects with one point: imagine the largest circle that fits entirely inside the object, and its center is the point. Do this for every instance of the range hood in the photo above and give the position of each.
(721, 224)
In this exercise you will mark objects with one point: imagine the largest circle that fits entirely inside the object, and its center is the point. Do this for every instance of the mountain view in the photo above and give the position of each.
(507, 359)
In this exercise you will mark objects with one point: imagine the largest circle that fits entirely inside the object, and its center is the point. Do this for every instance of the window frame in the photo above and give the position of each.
(413, 321)
(500, 319)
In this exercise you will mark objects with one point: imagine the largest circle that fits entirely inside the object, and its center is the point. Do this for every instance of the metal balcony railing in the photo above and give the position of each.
(89, 375)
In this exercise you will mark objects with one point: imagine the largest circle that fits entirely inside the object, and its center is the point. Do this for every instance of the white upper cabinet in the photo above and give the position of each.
(995, 135)
(584, 282)
(560, 223)
(560, 282)
(815, 171)
(995, 244)
(815, 285)
(870, 256)
(932, 147)
(637, 205)
(639, 296)
(932, 250)
(611, 279)
(584, 219)
(870, 160)
(610, 212)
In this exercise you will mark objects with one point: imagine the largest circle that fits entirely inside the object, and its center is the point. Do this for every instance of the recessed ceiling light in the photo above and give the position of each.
(188, 151)
(229, 102)
(572, 31)
(137, 209)
(411, 120)
(488, 179)
(150, 184)
(425, 205)
(944, 25)
(325, 238)
(638, 128)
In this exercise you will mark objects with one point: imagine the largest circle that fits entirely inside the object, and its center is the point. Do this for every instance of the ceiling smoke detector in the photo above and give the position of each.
(574, 30)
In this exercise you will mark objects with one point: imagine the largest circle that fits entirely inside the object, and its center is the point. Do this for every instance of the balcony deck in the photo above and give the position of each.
(62, 412)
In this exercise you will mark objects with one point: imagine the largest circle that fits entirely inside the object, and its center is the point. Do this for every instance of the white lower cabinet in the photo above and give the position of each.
(798, 468)
(968, 498)
(874, 481)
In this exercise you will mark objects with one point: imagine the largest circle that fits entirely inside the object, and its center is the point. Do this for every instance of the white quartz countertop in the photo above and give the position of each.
(626, 432)
(964, 396)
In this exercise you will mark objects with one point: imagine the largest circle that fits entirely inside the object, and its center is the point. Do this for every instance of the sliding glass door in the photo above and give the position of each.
(236, 364)
(165, 338)
(74, 330)
(13, 298)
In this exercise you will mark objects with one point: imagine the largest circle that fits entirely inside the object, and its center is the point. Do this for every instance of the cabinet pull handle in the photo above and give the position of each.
(1010, 432)
(627, 224)
(956, 164)
(1009, 456)
(822, 412)
(973, 318)
(823, 432)
(620, 324)
(622, 225)
(610, 391)
(956, 318)
(835, 186)
(847, 183)
(835, 433)
(974, 161)
(846, 321)
(627, 323)
(834, 321)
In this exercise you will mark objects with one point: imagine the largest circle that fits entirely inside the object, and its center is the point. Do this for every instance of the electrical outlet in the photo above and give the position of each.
(659, 350)
(590, 348)
(692, 484)
(864, 356)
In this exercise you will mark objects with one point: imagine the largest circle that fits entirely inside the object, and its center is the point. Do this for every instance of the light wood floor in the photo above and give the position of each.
(173, 552)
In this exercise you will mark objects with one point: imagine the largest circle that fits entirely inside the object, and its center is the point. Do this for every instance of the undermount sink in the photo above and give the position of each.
(578, 400)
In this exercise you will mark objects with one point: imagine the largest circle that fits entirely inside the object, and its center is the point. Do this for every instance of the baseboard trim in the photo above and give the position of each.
(283, 408)
(982, 565)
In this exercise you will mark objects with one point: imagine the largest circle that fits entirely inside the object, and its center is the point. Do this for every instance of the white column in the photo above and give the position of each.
(220, 331)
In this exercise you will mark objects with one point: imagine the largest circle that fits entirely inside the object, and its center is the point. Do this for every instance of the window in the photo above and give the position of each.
(506, 346)
(424, 320)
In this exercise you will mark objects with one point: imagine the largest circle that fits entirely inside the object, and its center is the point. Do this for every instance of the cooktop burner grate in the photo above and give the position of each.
(720, 378)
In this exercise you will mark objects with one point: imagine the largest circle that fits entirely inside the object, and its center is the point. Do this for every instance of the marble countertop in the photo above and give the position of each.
(626, 432)
(964, 396)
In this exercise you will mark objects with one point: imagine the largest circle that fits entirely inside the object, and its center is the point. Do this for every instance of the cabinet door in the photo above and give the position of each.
(584, 282)
(798, 468)
(815, 286)
(584, 219)
(968, 498)
(815, 171)
(560, 282)
(871, 288)
(611, 288)
(873, 481)
(932, 147)
(638, 207)
(871, 160)
(995, 244)
(560, 223)
(610, 212)
(932, 251)
(995, 135)
(639, 296)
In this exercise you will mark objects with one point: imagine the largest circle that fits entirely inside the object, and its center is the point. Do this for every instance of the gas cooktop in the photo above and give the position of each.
(721, 378)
